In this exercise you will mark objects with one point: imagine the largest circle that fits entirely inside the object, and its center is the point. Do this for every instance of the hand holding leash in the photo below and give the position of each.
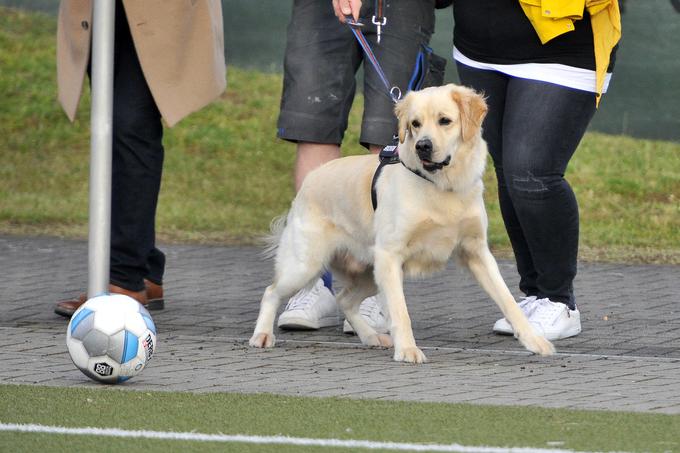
(345, 8)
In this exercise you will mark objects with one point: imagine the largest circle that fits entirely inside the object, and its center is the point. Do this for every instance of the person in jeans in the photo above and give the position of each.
(542, 73)
(168, 62)
(321, 59)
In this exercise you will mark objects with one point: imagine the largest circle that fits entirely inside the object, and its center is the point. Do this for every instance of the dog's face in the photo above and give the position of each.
(435, 122)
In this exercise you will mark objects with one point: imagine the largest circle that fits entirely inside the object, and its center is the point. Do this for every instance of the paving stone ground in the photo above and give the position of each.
(627, 357)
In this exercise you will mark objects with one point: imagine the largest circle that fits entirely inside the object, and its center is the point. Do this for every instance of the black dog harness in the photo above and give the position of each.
(388, 156)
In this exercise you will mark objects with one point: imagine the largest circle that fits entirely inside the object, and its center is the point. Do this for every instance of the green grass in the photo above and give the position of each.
(327, 418)
(226, 175)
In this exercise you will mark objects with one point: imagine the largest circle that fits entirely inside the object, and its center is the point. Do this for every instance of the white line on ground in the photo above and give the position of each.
(280, 440)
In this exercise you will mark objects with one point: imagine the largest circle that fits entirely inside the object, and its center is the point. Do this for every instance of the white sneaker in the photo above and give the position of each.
(372, 312)
(553, 320)
(310, 309)
(526, 305)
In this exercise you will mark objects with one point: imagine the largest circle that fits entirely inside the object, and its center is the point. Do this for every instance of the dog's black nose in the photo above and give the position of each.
(424, 148)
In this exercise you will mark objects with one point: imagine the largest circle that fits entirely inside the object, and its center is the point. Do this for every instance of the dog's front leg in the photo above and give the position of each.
(390, 279)
(485, 269)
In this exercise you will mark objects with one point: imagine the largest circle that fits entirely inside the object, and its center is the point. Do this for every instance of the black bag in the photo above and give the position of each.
(429, 70)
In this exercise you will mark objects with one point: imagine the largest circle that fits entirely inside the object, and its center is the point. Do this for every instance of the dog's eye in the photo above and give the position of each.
(444, 121)
(415, 124)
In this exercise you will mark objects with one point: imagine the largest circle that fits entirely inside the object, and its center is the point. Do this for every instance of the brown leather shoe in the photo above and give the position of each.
(151, 298)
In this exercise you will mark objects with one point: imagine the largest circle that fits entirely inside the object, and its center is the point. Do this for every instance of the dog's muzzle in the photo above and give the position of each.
(434, 166)
(424, 151)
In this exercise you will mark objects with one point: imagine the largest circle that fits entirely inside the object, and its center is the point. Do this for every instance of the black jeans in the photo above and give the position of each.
(137, 168)
(533, 129)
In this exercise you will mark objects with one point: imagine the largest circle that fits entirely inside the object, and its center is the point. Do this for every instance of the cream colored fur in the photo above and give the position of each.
(416, 228)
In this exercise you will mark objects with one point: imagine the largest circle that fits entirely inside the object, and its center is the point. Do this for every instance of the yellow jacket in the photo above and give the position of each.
(552, 18)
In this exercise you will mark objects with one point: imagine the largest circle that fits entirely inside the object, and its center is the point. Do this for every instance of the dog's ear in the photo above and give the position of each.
(472, 107)
(401, 112)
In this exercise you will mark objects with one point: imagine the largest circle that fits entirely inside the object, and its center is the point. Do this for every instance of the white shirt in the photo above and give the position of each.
(559, 74)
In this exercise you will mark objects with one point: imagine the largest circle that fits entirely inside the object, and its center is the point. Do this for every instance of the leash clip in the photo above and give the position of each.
(378, 25)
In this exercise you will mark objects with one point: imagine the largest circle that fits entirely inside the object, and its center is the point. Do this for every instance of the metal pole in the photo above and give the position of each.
(99, 244)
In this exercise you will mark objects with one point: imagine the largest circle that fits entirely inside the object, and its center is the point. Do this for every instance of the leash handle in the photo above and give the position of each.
(393, 91)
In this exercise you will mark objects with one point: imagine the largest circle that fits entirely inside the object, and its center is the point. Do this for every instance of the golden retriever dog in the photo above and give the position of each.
(429, 207)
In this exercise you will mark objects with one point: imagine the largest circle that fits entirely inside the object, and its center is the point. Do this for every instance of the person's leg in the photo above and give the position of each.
(318, 76)
(543, 125)
(156, 264)
(318, 89)
(310, 156)
(137, 167)
(494, 86)
(137, 160)
(536, 260)
(304, 311)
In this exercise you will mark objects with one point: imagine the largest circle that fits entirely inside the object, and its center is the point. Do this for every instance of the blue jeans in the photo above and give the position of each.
(533, 129)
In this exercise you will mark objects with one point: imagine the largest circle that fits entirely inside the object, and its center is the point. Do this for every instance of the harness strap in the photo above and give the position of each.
(388, 156)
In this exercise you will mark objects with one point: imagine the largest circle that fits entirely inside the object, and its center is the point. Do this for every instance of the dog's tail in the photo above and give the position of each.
(271, 240)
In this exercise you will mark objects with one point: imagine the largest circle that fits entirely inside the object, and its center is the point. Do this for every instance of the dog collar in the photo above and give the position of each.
(416, 172)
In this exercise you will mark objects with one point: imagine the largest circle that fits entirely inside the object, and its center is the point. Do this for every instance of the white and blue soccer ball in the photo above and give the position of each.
(111, 338)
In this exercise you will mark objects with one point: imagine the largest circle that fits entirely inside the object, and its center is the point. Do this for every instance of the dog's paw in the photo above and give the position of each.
(538, 345)
(262, 340)
(381, 340)
(410, 355)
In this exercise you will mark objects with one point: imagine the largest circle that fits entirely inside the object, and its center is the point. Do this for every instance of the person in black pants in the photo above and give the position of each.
(542, 86)
(137, 168)
(136, 264)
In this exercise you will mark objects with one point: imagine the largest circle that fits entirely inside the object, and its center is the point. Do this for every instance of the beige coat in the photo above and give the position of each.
(180, 44)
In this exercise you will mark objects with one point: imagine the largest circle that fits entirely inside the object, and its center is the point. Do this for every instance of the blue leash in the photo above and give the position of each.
(389, 154)
(394, 91)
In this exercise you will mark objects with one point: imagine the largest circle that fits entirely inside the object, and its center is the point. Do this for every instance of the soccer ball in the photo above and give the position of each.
(111, 338)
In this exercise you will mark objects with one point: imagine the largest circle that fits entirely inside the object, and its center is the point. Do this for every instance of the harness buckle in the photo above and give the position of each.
(390, 152)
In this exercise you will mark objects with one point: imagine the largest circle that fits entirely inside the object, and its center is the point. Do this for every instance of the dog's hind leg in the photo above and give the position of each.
(359, 287)
(297, 265)
(263, 337)
(282, 289)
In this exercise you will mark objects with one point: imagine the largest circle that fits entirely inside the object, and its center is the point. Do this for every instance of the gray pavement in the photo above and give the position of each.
(627, 357)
